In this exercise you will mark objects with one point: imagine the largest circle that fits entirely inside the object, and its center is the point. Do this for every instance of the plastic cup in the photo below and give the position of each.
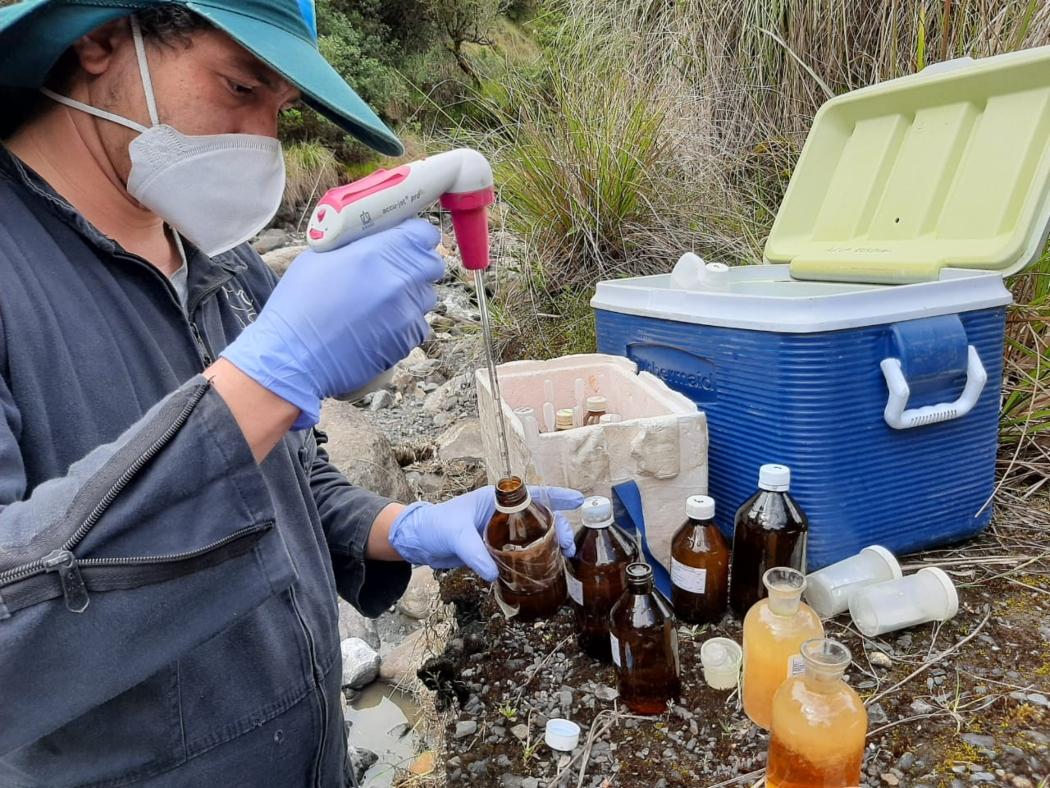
(829, 591)
(721, 660)
(928, 595)
(562, 735)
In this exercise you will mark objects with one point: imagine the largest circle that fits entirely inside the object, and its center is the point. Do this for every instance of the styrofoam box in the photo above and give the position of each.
(661, 444)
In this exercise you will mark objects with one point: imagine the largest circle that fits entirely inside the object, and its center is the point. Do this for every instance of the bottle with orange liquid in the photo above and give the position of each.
(819, 724)
(774, 630)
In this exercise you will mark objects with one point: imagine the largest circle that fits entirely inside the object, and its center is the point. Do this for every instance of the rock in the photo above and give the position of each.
(877, 714)
(530, 782)
(1038, 698)
(565, 699)
(359, 761)
(458, 304)
(362, 452)
(457, 393)
(422, 595)
(978, 740)
(606, 693)
(465, 728)
(423, 764)
(1021, 782)
(271, 239)
(890, 779)
(462, 439)
(520, 731)
(906, 761)
(354, 625)
(360, 663)
(280, 259)
(509, 780)
(982, 777)
(880, 659)
(921, 707)
(381, 399)
(399, 666)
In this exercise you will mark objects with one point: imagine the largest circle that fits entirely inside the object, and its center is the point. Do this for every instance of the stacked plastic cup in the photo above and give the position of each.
(829, 591)
(928, 595)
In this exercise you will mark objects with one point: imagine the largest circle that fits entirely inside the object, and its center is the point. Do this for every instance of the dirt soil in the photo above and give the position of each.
(955, 704)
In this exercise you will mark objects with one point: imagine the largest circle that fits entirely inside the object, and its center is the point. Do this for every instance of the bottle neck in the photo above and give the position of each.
(822, 678)
(783, 603)
(512, 495)
(640, 587)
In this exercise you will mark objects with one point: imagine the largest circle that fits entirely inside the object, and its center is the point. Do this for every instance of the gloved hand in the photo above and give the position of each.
(447, 535)
(337, 320)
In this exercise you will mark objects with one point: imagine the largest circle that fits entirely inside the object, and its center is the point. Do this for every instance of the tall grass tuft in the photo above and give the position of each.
(312, 169)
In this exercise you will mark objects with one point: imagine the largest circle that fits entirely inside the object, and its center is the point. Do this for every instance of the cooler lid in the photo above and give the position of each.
(946, 168)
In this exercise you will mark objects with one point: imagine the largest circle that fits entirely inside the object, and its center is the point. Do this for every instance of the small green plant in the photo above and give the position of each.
(508, 712)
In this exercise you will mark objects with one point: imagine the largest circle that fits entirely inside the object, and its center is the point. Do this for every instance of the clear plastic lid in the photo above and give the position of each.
(564, 419)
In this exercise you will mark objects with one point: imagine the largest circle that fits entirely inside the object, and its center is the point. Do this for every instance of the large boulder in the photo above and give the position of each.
(462, 439)
(362, 452)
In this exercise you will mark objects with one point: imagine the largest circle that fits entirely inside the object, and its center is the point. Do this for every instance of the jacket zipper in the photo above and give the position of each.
(318, 687)
(63, 561)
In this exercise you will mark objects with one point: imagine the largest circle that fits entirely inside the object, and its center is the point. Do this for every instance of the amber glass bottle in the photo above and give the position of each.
(805, 709)
(595, 575)
(774, 631)
(596, 407)
(770, 530)
(699, 565)
(520, 538)
(644, 640)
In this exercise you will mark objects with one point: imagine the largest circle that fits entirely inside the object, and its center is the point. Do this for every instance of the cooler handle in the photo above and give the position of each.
(899, 418)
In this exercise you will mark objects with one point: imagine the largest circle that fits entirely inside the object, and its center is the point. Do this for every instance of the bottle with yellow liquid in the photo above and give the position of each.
(774, 630)
(819, 724)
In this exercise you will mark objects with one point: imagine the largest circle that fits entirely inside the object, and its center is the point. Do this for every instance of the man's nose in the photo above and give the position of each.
(261, 120)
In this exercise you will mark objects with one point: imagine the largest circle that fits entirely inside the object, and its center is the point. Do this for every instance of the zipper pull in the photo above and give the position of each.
(205, 355)
(65, 563)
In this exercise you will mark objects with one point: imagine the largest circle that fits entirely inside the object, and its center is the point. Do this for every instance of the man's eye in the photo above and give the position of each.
(238, 88)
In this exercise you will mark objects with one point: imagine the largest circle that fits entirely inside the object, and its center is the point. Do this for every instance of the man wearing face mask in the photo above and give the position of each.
(172, 536)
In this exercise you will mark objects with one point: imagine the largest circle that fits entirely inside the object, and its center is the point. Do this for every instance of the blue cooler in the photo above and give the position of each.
(867, 353)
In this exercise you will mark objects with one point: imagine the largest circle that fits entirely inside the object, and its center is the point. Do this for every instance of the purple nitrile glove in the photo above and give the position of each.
(338, 320)
(447, 535)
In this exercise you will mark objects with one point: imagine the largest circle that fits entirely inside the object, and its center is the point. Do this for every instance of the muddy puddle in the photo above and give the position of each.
(383, 720)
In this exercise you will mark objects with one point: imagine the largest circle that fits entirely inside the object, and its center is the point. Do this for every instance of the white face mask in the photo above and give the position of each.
(217, 190)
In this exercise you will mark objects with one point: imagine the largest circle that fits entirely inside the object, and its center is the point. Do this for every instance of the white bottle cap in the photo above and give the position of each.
(610, 418)
(597, 403)
(776, 478)
(699, 507)
(721, 659)
(597, 512)
(565, 419)
(562, 735)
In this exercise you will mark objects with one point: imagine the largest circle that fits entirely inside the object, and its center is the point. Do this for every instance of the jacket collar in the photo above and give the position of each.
(204, 273)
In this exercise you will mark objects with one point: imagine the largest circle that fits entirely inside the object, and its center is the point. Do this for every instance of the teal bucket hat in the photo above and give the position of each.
(281, 33)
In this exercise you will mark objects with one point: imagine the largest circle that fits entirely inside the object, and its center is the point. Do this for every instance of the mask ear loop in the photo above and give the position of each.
(147, 81)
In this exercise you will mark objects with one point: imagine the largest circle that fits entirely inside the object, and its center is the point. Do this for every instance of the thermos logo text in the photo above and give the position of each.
(683, 371)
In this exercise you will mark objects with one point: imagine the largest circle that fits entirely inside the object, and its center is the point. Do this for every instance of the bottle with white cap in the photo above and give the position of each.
(595, 575)
(699, 565)
(596, 407)
(769, 530)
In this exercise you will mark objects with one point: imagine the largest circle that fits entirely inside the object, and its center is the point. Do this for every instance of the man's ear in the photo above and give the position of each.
(96, 50)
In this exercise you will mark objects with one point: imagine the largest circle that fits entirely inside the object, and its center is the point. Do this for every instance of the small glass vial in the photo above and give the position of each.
(596, 407)
(770, 530)
(644, 638)
(564, 419)
(774, 631)
(522, 541)
(806, 708)
(699, 565)
(595, 575)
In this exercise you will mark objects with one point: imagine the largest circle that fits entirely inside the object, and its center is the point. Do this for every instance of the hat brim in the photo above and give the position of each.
(298, 61)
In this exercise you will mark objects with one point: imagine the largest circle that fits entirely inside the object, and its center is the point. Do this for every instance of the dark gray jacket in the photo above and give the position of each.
(208, 650)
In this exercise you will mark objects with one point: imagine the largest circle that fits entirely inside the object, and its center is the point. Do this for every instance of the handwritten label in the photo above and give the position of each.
(688, 578)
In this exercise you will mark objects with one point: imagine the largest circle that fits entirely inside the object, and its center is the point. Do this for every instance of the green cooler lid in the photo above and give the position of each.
(946, 168)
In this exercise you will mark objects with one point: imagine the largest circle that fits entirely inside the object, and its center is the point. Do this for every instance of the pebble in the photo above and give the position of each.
(978, 740)
(530, 782)
(1038, 698)
(890, 779)
(606, 693)
(983, 777)
(877, 714)
(906, 761)
(921, 707)
(1021, 782)
(520, 731)
(381, 399)
(565, 699)
(466, 728)
(880, 659)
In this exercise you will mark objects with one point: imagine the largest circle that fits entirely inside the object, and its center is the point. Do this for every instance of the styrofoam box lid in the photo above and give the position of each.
(766, 298)
(946, 168)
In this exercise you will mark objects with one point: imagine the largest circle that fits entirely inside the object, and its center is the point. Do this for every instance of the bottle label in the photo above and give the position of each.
(575, 588)
(796, 665)
(614, 644)
(688, 578)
